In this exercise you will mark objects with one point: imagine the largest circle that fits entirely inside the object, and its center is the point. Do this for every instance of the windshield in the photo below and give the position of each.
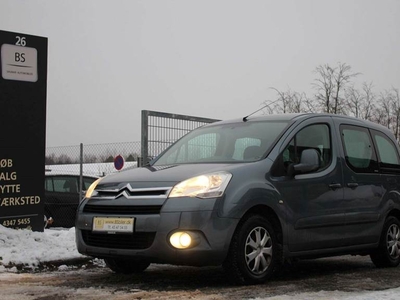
(234, 142)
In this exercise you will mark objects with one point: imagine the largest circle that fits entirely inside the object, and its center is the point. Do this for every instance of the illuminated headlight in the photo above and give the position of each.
(204, 186)
(184, 239)
(90, 190)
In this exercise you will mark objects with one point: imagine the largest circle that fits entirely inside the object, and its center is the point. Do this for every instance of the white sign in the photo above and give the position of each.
(113, 225)
(19, 63)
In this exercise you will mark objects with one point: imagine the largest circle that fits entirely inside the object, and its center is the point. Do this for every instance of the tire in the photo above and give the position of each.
(255, 254)
(388, 252)
(126, 266)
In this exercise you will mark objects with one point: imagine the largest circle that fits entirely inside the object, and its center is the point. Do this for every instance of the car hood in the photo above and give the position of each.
(159, 176)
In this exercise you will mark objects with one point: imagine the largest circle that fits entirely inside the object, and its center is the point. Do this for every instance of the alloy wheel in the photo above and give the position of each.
(393, 241)
(258, 250)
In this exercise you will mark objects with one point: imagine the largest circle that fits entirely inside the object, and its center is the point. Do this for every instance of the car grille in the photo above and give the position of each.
(138, 240)
(123, 209)
(132, 193)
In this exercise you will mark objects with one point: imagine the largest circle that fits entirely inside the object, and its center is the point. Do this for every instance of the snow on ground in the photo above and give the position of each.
(24, 247)
(392, 294)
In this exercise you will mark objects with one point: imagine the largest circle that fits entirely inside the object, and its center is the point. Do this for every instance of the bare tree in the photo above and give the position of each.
(324, 86)
(330, 85)
(90, 158)
(385, 100)
(64, 159)
(395, 100)
(360, 103)
(289, 102)
(337, 94)
(50, 159)
(342, 76)
(368, 100)
(354, 101)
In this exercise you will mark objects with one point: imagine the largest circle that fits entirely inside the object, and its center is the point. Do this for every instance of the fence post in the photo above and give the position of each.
(81, 171)
(144, 145)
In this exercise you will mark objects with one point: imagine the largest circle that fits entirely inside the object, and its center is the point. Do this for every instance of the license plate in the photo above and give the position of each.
(113, 225)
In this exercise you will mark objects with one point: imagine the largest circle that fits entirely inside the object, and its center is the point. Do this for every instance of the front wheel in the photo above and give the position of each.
(255, 253)
(388, 252)
(126, 266)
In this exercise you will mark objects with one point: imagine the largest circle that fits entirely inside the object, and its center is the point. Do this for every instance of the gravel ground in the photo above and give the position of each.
(345, 273)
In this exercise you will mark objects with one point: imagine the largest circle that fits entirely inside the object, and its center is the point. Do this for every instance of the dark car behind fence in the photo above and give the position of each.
(70, 170)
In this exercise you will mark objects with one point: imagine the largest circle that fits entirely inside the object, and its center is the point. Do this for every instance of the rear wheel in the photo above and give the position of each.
(126, 266)
(255, 253)
(388, 252)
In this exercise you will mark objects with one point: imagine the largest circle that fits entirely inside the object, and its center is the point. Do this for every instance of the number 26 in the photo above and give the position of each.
(20, 41)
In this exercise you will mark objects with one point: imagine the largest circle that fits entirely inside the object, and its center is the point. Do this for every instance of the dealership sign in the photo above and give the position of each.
(23, 84)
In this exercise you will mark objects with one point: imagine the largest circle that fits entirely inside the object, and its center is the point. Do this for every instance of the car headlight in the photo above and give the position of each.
(91, 188)
(204, 186)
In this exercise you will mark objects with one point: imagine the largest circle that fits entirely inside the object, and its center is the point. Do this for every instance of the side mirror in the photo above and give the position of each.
(310, 161)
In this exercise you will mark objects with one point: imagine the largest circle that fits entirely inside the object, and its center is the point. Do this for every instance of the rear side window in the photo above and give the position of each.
(61, 184)
(48, 186)
(387, 153)
(358, 149)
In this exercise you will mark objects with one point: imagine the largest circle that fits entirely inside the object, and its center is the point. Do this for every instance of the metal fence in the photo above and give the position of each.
(160, 130)
(97, 159)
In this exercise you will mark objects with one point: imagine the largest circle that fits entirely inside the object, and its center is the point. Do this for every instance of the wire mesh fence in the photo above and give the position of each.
(96, 159)
(161, 129)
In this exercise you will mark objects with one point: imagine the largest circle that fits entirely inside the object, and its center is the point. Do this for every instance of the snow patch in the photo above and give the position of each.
(28, 248)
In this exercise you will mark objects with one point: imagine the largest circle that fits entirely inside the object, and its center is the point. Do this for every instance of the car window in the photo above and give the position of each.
(48, 184)
(316, 137)
(198, 148)
(227, 142)
(387, 152)
(67, 184)
(247, 149)
(358, 149)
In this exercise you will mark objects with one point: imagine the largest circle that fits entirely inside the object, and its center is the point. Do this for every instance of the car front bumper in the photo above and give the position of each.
(150, 239)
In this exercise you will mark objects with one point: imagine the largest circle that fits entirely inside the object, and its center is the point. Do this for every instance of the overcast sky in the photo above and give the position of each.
(108, 60)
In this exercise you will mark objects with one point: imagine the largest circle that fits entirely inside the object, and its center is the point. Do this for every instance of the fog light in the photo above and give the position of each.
(181, 240)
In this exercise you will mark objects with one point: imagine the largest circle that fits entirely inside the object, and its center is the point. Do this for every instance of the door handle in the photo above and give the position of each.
(352, 185)
(334, 186)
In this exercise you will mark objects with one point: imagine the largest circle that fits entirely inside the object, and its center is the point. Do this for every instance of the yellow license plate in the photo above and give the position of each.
(113, 225)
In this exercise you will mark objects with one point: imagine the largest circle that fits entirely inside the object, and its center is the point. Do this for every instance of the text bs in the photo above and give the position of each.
(19, 57)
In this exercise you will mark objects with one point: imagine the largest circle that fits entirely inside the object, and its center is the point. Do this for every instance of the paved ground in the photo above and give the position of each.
(345, 273)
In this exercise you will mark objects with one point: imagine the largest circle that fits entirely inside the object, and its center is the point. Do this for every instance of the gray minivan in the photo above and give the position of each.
(250, 194)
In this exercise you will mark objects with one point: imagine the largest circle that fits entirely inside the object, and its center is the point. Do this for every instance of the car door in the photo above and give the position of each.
(62, 199)
(313, 202)
(363, 190)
